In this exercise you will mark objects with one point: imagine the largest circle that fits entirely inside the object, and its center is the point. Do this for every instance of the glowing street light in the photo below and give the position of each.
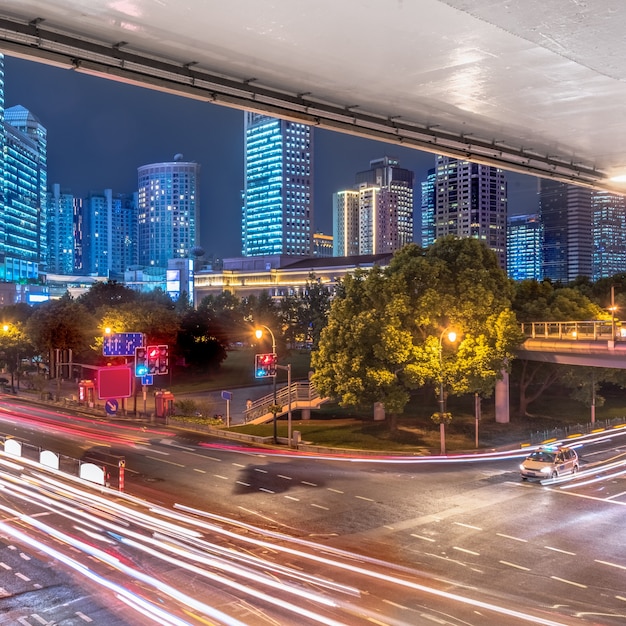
(442, 395)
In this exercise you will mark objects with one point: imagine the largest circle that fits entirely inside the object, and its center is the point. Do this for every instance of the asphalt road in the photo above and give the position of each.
(554, 551)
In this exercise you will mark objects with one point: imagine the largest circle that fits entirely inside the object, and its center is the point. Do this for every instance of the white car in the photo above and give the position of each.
(549, 462)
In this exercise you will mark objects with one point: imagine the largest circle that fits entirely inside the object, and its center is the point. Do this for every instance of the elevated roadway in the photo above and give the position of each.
(534, 87)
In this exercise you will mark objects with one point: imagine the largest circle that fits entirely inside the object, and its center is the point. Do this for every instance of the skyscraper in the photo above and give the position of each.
(376, 216)
(524, 247)
(471, 201)
(567, 219)
(23, 247)
(61, 230)
(278, 196)
(609, 234)
(168, 211)
(429, 199)
(111, 224)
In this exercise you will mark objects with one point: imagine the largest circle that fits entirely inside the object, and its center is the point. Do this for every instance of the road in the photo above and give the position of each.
(473, 529)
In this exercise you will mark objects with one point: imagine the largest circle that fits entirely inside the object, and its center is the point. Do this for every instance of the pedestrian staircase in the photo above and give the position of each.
(300, 395)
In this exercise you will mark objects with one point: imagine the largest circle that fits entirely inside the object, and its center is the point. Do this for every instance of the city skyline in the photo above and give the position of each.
(100, 132)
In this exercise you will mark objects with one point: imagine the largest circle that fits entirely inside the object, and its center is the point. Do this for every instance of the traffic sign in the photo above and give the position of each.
(147, 379)
(227, 395)
(111, 406)
(122, 344)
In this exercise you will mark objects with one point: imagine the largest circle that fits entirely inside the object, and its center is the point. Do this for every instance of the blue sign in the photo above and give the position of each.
(147, 379)
(111, 406)
(227, 395)
(122, 344)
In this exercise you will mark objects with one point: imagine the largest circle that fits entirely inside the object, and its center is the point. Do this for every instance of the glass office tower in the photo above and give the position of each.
(23, 245)
(168, 211)
(524, 247)
(278, 196)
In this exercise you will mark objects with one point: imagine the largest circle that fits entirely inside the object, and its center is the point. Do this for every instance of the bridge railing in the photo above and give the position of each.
(570, 432)
(587, 330)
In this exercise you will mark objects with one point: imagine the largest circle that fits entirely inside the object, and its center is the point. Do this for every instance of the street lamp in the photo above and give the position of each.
(259, 333)
(442, 395)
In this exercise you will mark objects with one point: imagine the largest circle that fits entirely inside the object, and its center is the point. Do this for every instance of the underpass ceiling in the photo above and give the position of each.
(534, 86)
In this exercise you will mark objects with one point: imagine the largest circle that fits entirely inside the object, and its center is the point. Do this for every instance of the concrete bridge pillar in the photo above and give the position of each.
(306, 414)
(502, 400)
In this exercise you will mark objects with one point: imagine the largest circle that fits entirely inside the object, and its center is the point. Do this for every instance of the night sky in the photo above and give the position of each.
(100, 131)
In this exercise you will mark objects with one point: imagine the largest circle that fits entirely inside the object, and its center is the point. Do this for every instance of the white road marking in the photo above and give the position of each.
(200, 471)
(513, 538)
(422, 537)
(611, 564)
(258, 469)
(285, 477)
(22, 576)
(83, 616)
(466, 550)
(164, 461)
(524, 569)
(467, 526)
(319, 506)
(5, 566)
(220, 476)
(266, 490)
(292, 498)
(240, 482)
(238, 464)
(304, 482)
(334, 490)
(25, 556)
(569, 582)
(559, 550)
(364, 498)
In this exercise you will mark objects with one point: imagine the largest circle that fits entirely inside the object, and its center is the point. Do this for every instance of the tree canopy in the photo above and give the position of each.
(386, 327)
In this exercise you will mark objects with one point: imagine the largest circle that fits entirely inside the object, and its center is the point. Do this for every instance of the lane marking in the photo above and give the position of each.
(238, 464)
(304, 482)
(22, 576)
(611, 564)
(467, 525)
(165, 461)
(422, 537)
(466, 550)
(285, 477)
(292, 498)
(240, 482)
(569, 582)
(334, 490)
(559, 550)
(200, 471)
(258, 469)
(220, 476)
(84, 617)
(524, 569)
(364, 498)
(266, 490)
(319, 506)
(513, 538)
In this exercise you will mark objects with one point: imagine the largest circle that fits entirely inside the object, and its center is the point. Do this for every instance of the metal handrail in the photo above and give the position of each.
(574, 330)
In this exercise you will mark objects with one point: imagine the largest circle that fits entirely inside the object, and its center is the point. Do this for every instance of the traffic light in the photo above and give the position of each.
(153, 359)
(141, 362)
(164, 360)
(264, 365)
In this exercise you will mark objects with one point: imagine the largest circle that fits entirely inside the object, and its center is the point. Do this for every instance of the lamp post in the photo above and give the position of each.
(442, 395)
(613, 308)
(259, 334)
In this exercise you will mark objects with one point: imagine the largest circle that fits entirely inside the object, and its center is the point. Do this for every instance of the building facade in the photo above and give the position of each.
(168, 211)
(609, 234)
(567, 218)
(112, 226)
(471, 201)
(376, 216)
(524, 247)
(428, 208)
(23, 245)
(61, 230)
(278, 201)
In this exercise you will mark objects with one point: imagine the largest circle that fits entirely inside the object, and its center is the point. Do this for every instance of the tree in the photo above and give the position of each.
(385, 326)
(542, 301)
(196, 343)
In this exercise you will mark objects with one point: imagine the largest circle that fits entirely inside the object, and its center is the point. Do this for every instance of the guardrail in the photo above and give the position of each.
(300, 395)
(588, 330)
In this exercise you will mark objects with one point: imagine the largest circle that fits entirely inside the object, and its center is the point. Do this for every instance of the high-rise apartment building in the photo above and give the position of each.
(168, 211)
(322, 245)
(567, 218)
(61, 230)
(471, 201)
(111, 224)
(609, 234)
(524, 247)
(23, 246)
(376, 216)
(278, 196)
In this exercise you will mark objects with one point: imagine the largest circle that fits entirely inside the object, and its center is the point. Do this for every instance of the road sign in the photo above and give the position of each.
(227, 395)
(114, 382)
(122, 344)
(111, 406)
(147, 379)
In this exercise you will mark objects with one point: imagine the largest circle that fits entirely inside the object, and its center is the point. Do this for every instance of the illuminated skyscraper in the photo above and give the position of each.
(567, 219)
(168, 211)
(376, 216)
(524, 247)
(111, 224)
(61, 230)
(471, 201)
(428, 209)
(278, 196)
(609, 234)
(23, 246)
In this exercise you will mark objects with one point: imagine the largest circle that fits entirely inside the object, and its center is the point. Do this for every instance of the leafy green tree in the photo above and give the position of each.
(543, 301)
(196, 343)
(385, 328)
(104, 295)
